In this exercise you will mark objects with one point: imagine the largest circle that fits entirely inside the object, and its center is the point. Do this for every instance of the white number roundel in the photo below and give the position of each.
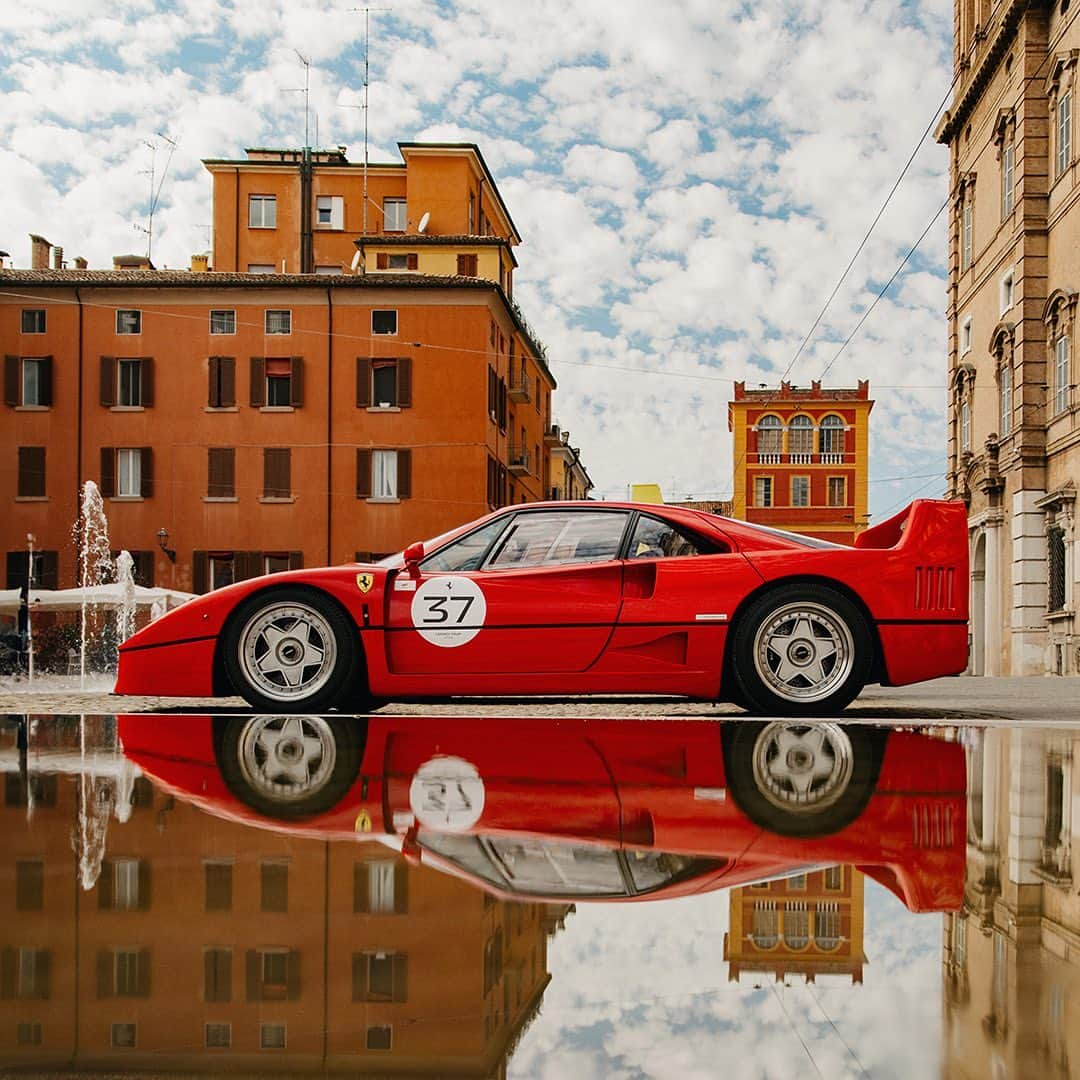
(447, 793)
(448, 611)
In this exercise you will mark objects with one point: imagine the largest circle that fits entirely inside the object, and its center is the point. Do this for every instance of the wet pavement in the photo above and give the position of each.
(638, 895)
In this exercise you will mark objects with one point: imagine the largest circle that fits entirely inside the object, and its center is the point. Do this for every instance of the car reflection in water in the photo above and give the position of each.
(609, 810)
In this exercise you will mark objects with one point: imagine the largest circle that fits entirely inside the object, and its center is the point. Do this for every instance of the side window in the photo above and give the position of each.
(654, 539)
(546, 539)
(467, 552)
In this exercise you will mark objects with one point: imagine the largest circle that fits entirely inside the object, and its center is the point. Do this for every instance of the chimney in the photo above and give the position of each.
(200, 264)
(58, 258)
(80, 263)
(39, 252)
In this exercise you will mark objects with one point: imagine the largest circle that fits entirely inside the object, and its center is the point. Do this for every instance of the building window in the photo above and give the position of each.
(280, 562)
(394, 215)
(965, 234)
(1008, 152)
(800, 491)
(801, 440)
(29, 885)
(827, 925)
(834, 877)
(966, 336)
(222, 322)
(797, 925)
(1055, 568)
(128, 321)
(383, 474)
(1064, 133)
(1006, 290)
(1005, 388)
(277, 381)
(383, 383)
(128, 472)
(28, 1033)
(274, 886)
(271, 1036)
(273, 975)
(380, 887)
(32, 321)
(25, 972)
(327, 271)
(122, 1036)
(221, 472)
(262, 211)
(277, 322)
(796, 883)
(837, 490)
(397, 260)
(763, 491)
(260, 268)
(124, 884)
(467, 265)
(770, 437)
(277, 473)
(832, 440)
(380, 976)
(965, 425)
(380, 1037)
(128, 970)
(1061, 376)
(28, 381)
(221, 570)
(31, 472)
(384, 322)
(218, 1036)
(764, 932)
(219, 877)
(330, 211)
(129, 382)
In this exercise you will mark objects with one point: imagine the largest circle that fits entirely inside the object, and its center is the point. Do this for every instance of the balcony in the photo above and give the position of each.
(518, 463)
(519, 389)
(554, 435)
(800, 459)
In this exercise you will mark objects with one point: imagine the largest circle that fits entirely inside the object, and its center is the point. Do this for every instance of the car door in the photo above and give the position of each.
(542, 598)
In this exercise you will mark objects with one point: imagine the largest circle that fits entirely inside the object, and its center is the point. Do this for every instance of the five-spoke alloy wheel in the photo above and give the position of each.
(291, 648)
(801, 650)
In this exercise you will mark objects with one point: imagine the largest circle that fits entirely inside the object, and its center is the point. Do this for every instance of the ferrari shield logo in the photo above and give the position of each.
(364, 582)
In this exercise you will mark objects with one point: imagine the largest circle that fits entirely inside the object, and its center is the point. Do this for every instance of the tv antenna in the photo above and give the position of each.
(306, 91)
(155, 187)
(367, 12)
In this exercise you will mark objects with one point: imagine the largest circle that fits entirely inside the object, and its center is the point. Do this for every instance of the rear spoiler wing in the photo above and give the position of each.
(925, 519)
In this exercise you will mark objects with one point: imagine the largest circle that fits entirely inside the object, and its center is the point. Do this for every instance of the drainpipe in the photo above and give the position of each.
(329, 423)
(236, 220)
(79, 411)
(307, 259)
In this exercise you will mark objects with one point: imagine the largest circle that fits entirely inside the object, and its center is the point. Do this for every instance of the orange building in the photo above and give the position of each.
(810, 924)
(802, 458)
(202, 945)
(281, 410)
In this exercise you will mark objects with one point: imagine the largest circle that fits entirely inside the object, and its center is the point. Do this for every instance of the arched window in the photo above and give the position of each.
(832, 440)
(770, 436)
(965, 425)
(801, 440)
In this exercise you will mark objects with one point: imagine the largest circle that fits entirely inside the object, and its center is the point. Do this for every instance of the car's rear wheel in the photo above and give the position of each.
(801, 779)
(801, 650)
(292, 649)
(290, 766)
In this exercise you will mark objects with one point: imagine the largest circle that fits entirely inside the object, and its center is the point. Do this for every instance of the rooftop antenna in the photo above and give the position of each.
(367, 40)
(155, 187)
(305, 90)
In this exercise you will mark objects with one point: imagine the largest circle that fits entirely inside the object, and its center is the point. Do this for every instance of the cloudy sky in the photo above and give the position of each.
(691, 178)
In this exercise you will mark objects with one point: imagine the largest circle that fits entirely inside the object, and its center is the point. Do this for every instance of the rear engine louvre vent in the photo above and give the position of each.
(935, 588)
(933, 826)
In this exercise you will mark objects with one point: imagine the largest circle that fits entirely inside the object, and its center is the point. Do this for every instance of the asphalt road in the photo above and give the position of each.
(1037, 699)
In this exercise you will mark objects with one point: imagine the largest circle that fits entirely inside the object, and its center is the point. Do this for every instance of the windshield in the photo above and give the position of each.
(395, 561)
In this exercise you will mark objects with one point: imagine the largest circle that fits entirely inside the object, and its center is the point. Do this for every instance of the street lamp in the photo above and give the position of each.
(163, 541)
(31, 540)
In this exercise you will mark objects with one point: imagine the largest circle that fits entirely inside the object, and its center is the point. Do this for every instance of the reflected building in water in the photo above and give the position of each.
(205, 945)
(1010, 955)
(808, 924)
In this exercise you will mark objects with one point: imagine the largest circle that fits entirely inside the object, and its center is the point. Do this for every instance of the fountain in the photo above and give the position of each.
(125, 613)
(95, 564)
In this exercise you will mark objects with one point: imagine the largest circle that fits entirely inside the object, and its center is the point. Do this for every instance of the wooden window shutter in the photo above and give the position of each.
(401, 977)
(108, 472)
(144, 884)
(401, 888)
(292, 976)
(382, 261)
(143, 973)
(360, 875)
(49, 570)
(107, 380)
(247, 564)
(277, 481)
(105, 885)
(404, 474)
(254, 975)
(9, 967)
(31, 471)
(258, 382)
(104, 973)
(213, 394)
(492, 398)
(363, 382)
(210, 969)
(221, 472)
(363, 473)
(412, 260)
(12, 389)
(228, 381)
(359, 976)
(296, 560)
(146, 472)
(147, 380)
(404, 382)
(297, 382)
(466, 265)
(46, 380)
(144, 568)
(200, 571)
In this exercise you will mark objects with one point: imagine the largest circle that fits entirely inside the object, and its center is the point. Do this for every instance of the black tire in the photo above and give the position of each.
(288, 634)
(801, 779)
(290, 767)
(826, 661)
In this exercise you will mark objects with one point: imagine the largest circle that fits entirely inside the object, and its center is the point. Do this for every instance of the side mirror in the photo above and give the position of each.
(412, 556)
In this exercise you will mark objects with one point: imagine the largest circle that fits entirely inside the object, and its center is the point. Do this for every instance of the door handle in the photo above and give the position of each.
(639, 579)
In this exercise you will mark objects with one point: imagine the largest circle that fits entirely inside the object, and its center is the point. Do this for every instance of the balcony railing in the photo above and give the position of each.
(801, 459)
(518, 463)
(519, 389)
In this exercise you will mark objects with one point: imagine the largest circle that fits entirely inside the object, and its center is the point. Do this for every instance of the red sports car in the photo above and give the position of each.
(581, 598)
(586, 809)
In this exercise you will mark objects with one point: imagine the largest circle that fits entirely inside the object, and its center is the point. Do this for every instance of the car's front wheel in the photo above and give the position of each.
(801, 650)
(292, 648)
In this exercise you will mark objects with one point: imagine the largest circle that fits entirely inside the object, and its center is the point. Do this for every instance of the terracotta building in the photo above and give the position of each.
(809, 925)
(1014, 277)
(801, 458)
(324, 394)
(142, 935)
